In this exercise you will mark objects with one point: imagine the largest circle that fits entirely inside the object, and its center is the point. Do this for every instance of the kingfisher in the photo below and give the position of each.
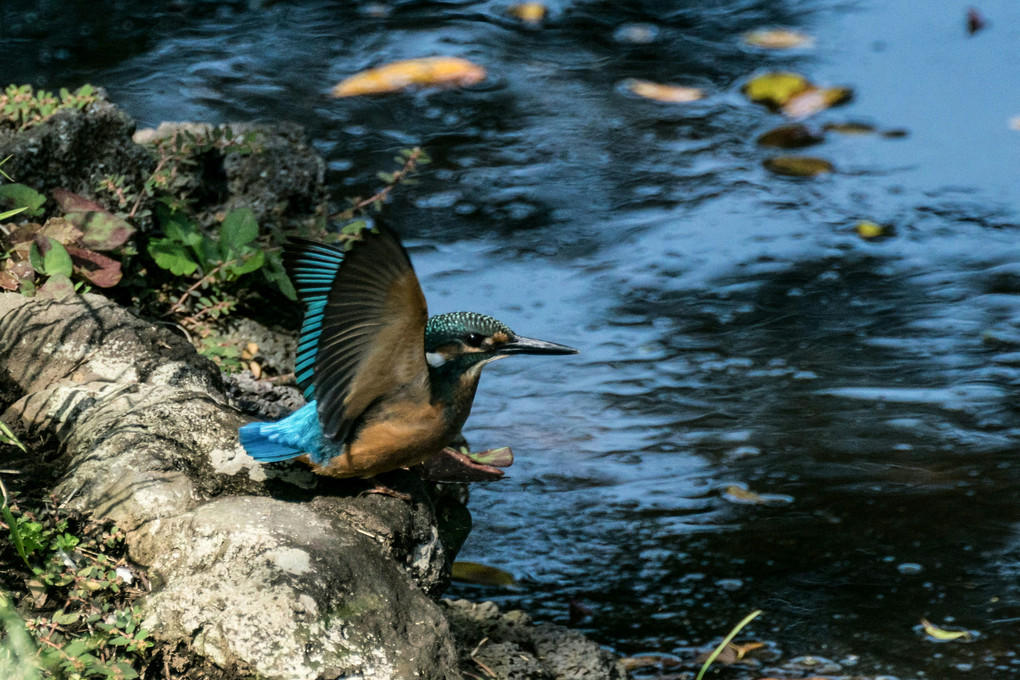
(387, 386)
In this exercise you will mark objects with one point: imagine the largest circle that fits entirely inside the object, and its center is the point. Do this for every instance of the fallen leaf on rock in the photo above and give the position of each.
(777, 39)
(532, 13)
(943, 635)
(791, 137)
(672, 94)
(798, 166)
(400, 75)
(481, 574)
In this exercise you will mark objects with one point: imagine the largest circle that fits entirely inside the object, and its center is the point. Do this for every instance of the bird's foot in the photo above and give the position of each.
(452, 465)
(383, 490)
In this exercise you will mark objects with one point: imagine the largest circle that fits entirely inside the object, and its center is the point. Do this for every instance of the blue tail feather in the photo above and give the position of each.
(296, 434)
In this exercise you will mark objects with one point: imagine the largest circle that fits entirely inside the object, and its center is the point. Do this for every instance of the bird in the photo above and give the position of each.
(388, 387)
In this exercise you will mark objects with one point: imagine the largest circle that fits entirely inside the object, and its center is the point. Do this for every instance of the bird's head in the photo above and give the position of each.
(464, 342)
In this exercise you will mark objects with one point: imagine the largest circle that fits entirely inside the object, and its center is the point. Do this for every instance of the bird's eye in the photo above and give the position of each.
(475, 339)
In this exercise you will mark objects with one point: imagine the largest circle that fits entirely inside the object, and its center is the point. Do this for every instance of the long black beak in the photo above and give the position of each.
(521, 345)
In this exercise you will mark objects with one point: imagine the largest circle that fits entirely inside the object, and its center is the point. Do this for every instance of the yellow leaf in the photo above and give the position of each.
(777, 39)
(481, 574)
(850, 128)
(867, 229)
(937, 633)
(434, 71)
(532, 13)
(672, 94)
(775, 89)
(798, 166)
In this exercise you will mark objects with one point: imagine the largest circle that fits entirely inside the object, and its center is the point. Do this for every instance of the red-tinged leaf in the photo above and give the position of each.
(101, 230)
(98, 269)
(57, 287)
(69, 202)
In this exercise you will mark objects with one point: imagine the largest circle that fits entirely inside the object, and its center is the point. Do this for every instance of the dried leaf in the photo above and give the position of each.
(672, 94)
(69, 202)
(400, 75)
(8, 280)
(777, 39)
(738, 494)
(791, 137)
(481, 574)
(501, 457)
(798, 166)
(531, 13)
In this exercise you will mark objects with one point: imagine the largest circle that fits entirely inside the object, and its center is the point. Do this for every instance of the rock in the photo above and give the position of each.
(511, 647)
(279, 175)
(76, 149)
(332, 586)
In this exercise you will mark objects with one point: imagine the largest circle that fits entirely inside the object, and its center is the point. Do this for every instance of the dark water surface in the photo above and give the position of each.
(734, 329)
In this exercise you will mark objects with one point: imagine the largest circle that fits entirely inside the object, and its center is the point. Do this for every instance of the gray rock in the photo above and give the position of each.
(334, 586)
(510, 646)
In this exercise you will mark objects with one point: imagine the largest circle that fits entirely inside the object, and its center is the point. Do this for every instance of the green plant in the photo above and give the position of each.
(84, 622)
(726, 640)
(23, 107)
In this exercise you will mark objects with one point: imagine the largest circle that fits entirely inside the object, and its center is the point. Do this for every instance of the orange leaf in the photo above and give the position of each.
(531, 13)
(400, 75)
(672, 94)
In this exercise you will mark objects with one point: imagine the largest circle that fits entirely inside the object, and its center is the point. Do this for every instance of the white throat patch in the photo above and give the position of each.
(435, 359)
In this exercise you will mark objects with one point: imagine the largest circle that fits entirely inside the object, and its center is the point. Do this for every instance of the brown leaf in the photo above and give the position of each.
(791, 137)
(98, 269)
(798, 166)
(9, 280)
(531, 13)
(69, 202)
(57, 287)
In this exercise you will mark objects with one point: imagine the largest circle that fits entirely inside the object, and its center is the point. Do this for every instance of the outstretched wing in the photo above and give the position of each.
(364, 330)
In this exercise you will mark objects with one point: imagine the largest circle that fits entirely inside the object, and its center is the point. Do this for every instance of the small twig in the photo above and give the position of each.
(178, 306)
(381, 195)
(492, 674)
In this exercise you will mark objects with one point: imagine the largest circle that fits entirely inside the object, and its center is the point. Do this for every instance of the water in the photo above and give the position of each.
(734, 329)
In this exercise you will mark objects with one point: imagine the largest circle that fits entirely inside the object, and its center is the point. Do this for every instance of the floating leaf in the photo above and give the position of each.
(100, 270)
(429, 71)
(673, 94)
(1014, 123)
(815, 99)
(738, 494)
(57, 287)
(656, 661)
(798, 166)
(975, 21)
(791, 137)
(777, 39)
(867, 229)
(943, 635)
(532, 13)
(775, 89)
(850, 128)
(501, 457)
(481, 574)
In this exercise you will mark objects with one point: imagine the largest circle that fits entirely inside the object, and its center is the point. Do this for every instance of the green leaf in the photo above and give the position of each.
(21, 196)
(182, 230)
(275, 273)
(481, 574)
(35, 258)
(56, 260)
(252, 263)
(172, 256)
(12, 213)
(239, 228)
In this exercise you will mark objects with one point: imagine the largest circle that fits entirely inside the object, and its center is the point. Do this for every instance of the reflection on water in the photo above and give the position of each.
(734, 329)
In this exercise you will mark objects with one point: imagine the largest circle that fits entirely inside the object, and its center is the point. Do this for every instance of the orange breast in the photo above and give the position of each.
(399, 435)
